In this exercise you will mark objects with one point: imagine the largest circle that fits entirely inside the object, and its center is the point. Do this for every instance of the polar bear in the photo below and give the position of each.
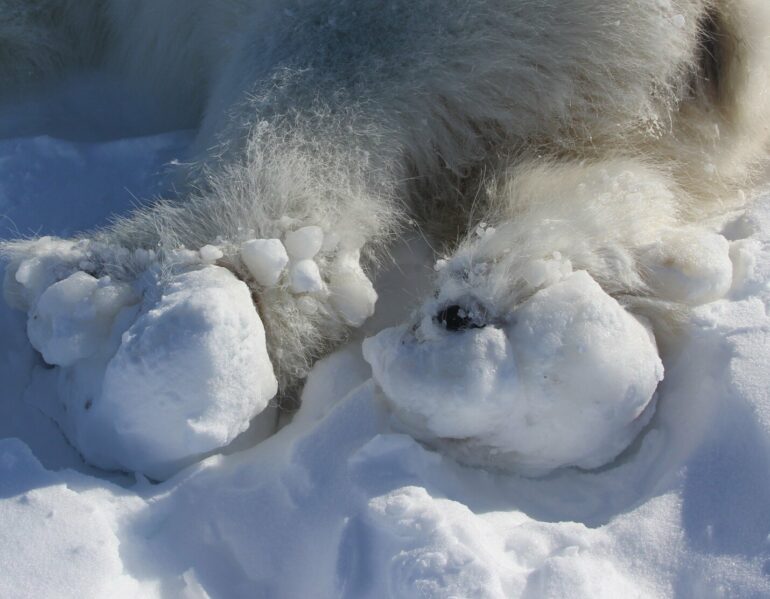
(562, 156)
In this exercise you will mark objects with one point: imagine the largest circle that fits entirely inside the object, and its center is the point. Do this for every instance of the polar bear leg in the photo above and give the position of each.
(527, 357)
(293, 226)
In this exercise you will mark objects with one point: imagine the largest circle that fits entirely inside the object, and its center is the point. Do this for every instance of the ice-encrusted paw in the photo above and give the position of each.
(567, 378)
(153, 374)
(190, 373)
(165, 358)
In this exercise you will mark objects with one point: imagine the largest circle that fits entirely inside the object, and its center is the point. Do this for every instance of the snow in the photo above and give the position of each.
(55, 544)
(542, 273)
(340, 502)
(50, 260)
(266, 260)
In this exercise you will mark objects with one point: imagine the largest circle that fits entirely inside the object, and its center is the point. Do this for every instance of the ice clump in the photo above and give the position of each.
(544, 272)
(566, 379)
(73, 318)
(46, 260)
(210, 254)
(304, 243)
(266, 260)
(188, 376)
(304, 277)
(351, 292)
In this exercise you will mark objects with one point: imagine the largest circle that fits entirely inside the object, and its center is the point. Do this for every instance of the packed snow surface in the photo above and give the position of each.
(340, 502)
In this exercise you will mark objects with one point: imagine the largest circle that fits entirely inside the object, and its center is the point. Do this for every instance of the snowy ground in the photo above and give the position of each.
(338, 503)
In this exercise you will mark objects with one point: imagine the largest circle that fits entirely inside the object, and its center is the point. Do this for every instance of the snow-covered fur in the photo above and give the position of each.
(597, 131)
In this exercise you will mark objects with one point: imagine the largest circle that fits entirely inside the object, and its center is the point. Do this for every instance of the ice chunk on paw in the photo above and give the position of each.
(304, 243)
(743, 254)
(544, 272)
(189, 375)
(352, 294)
(304, 277)
(73, 318)
(36, 265)
(566, 379)
(210, 254)
(689, 266)
(266, 260)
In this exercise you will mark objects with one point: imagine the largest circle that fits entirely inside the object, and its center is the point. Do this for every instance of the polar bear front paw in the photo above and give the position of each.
(153, 374)
(190, 373)
(567, 378)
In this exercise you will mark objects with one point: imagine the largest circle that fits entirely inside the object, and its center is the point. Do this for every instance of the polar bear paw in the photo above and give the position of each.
(566, 378)
(151, 375)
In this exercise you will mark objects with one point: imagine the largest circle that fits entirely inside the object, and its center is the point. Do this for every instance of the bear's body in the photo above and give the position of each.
(586, 135)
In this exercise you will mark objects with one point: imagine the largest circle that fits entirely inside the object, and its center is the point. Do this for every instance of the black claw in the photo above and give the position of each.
(455, 318)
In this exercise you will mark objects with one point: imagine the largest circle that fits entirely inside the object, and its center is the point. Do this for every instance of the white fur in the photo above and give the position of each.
(585, 127)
